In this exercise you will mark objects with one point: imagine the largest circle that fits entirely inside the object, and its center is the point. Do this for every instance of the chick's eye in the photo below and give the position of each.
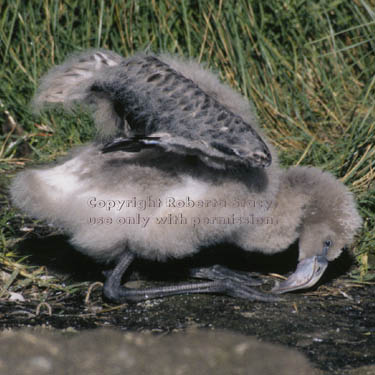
(328, 243)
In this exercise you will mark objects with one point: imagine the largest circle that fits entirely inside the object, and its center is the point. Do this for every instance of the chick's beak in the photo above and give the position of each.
(307, 274)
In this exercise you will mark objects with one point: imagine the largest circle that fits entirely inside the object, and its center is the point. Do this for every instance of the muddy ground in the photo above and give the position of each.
(333, 325)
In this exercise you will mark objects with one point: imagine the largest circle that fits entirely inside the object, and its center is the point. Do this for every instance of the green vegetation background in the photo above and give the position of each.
(308, 67)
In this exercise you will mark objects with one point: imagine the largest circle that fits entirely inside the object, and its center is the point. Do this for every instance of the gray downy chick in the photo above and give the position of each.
(120, 206)
(158, 101)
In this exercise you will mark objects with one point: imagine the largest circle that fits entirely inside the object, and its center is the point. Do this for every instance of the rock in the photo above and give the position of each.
(110, 352)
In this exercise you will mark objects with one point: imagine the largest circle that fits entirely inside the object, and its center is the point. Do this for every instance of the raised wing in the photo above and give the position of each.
(153, 98)
(143, 96)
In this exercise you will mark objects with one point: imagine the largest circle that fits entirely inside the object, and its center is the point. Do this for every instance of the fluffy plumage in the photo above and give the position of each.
(184, 108)
(60, 195)
(100, 200)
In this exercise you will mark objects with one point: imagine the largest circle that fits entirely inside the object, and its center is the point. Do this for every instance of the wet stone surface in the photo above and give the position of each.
(112, 352)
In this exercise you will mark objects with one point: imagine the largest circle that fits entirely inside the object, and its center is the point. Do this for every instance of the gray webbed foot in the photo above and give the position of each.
(220, 281)
(234, 283)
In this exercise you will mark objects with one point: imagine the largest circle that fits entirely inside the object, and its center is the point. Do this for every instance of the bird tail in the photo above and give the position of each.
(68, 86)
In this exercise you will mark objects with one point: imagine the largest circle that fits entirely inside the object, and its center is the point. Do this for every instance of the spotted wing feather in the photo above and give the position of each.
(154, 98)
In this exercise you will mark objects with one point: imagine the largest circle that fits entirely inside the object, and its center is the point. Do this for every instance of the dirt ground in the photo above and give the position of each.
(333, 325)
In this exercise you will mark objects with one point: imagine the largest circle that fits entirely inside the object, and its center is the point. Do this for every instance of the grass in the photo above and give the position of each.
(308, 67)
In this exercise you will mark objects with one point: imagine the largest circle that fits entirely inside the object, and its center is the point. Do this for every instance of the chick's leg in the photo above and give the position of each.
(235, 287)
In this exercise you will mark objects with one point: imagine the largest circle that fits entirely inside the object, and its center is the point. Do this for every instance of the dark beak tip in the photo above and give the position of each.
(278, 288)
